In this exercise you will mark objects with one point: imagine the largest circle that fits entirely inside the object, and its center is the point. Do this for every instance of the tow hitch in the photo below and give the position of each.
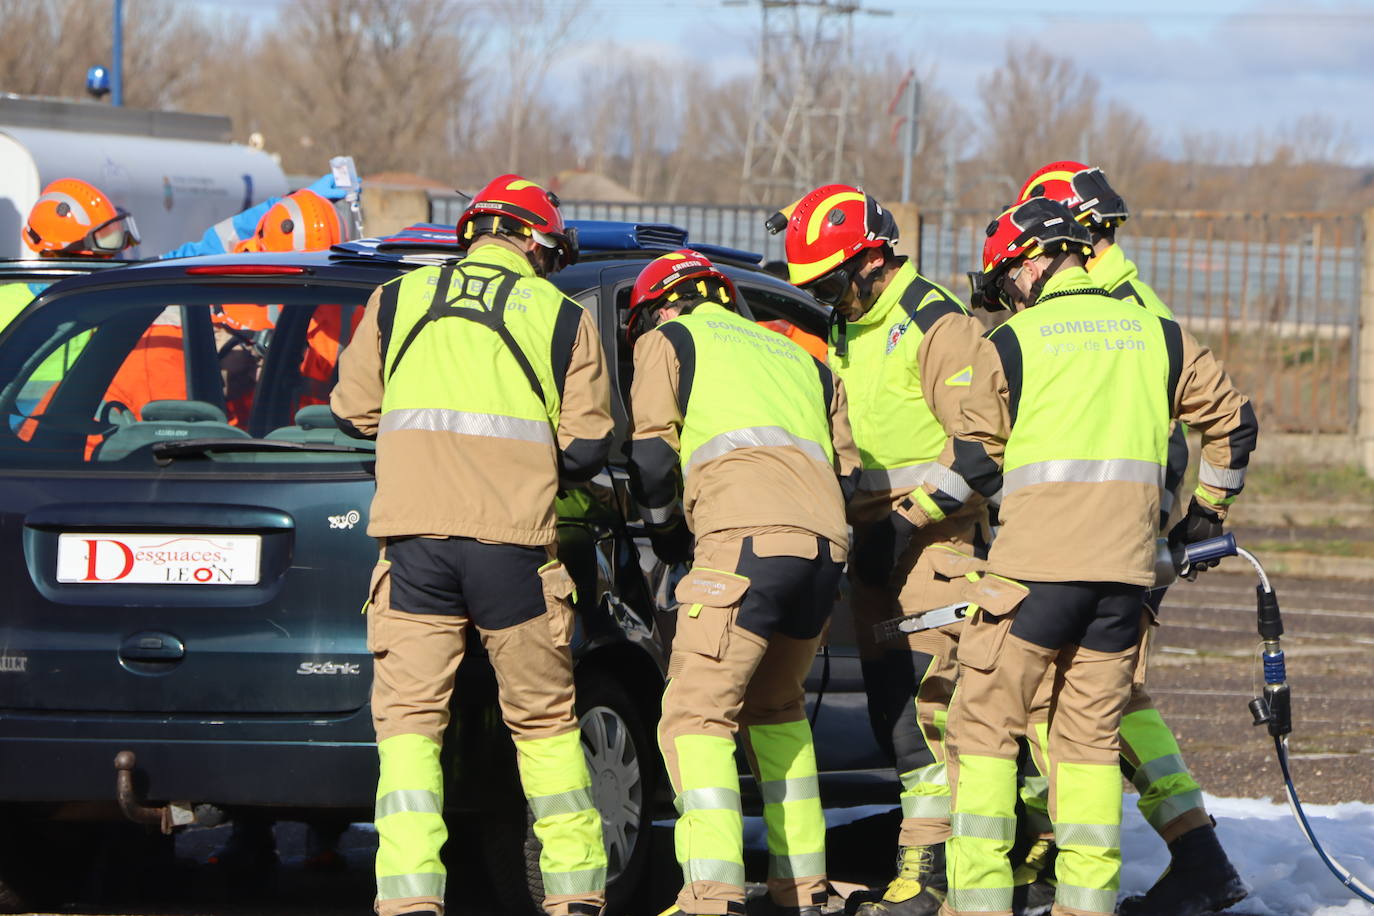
(168, 817)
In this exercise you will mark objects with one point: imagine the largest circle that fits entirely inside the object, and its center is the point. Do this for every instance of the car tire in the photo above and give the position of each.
(624, 768)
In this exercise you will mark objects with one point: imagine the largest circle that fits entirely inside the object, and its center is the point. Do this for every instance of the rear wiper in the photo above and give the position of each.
(167, 451)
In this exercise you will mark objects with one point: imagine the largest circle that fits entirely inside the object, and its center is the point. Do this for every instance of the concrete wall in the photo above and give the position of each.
(387, 210)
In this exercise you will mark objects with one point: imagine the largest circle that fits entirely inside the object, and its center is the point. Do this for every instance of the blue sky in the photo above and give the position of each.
(1229, 66)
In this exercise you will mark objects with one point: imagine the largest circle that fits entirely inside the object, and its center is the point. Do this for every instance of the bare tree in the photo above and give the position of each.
(380, 79)
(522, 123)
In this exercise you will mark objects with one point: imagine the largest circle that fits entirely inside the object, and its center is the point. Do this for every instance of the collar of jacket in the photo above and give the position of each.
(891, 295)
(706, 308)
(1111, 268)
(500, 256)
(1066, 279)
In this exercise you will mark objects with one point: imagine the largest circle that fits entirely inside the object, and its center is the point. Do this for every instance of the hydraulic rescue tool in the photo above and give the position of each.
(1274, 709)
(346, 177)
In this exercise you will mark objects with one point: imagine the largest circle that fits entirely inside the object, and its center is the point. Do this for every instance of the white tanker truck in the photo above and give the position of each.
(177, 173)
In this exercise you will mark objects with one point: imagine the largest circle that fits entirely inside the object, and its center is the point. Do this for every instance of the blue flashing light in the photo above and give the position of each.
(724, 253)
(98, 81)
(605, 235)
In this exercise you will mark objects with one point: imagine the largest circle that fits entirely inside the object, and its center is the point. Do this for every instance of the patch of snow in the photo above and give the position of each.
(1268, 849)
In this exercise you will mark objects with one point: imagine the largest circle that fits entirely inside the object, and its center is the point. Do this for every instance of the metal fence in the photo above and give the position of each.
(1276, 295)
(719, 224)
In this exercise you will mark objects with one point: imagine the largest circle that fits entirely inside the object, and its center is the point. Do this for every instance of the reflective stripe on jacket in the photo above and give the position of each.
(1069, 416)
(905, 370)
(464, 446)
(757, 426)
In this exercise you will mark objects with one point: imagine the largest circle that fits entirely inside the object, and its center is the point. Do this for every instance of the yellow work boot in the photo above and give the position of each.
(918, 889)
(1034, 879)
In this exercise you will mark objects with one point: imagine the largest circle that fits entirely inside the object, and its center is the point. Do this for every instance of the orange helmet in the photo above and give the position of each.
(72, 217)
(1083, 189)
(828, 227)
(516, 205)
(302, 221)
(669, 277)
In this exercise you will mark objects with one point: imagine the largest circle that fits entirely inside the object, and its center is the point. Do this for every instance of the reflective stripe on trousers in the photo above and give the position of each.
(788, 781)
(1087, 830)
(409, 819)
(925, 792)
(1167, 789)
(466, 423)
(553, 773)
(755, 437)
(709, 836)
(982, 829)
(1083, 470)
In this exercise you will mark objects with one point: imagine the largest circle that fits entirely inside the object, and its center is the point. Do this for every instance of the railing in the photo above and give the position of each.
(1276, 295)
(732, 226)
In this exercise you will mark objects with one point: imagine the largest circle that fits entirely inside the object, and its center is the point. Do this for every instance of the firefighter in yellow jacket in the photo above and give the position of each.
(1200, 878)
(751, 432)
(1069, 417)
(904, 348)
(486, 390)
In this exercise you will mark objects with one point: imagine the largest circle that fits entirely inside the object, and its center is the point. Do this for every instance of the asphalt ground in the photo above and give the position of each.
(1204, 671)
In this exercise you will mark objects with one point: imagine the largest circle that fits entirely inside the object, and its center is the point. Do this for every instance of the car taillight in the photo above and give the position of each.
(246, 270)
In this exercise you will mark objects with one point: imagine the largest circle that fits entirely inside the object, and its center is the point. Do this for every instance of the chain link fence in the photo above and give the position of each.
(732, 226)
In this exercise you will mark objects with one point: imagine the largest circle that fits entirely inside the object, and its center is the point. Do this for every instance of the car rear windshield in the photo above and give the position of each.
(176, 375)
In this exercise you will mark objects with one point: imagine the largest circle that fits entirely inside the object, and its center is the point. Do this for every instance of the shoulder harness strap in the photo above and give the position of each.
(492, 318)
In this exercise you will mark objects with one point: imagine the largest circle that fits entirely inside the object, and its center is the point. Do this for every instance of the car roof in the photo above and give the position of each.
(17, 269)
(374, 261)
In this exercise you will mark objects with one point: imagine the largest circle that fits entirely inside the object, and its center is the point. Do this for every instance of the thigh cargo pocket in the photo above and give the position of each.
(378, 601)
(948, 564)
(708, 601)
(558, 593)
(986, 631)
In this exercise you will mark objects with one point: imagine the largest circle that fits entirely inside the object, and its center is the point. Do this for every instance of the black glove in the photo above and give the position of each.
(1200, 524)
(672, 541)
(882, 546)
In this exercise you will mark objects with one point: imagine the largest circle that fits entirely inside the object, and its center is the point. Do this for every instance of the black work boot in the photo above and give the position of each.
(918, 889)
(1033, 893)
(1199, 879)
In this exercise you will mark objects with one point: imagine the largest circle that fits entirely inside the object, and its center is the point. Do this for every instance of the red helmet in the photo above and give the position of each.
(1037, 226)
(517, 205)
(72, 217)
(661, 280)
(828, 227)
(1084, 189)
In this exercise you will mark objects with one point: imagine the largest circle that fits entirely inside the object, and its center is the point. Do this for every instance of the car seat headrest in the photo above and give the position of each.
(315, 416)
(183, 412)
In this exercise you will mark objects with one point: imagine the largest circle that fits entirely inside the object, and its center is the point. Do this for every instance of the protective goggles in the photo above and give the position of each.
(565, 244)
(991, 291)
(831, 288)
(112, 236)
